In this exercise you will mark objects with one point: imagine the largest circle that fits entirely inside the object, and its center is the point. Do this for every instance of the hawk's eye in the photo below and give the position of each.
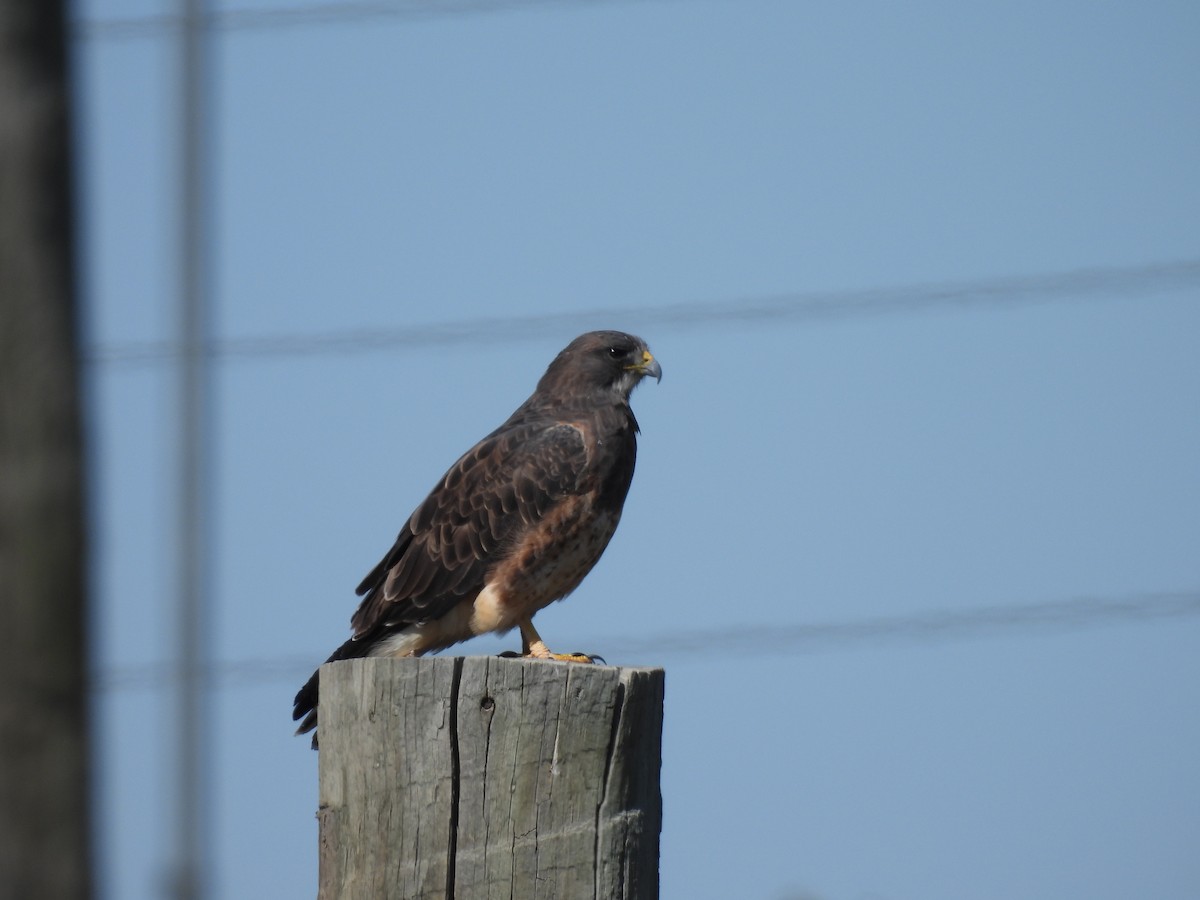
(615, 353)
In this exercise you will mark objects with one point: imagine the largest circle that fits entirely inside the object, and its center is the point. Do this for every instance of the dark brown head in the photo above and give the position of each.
(599, 364)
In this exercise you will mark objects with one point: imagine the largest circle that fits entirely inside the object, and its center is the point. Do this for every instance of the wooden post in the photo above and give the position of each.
(480, 777)
(45, 814)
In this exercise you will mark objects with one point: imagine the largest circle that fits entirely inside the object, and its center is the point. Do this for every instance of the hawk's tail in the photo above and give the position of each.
(305, 705)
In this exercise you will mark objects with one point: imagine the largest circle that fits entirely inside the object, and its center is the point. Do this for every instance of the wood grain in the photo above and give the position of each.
(482, 777)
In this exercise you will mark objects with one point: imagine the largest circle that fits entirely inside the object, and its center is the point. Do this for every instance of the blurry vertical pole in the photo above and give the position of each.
(191, 779)
(44, 812)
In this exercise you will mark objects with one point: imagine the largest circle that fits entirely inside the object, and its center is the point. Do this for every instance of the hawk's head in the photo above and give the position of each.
(600, 362)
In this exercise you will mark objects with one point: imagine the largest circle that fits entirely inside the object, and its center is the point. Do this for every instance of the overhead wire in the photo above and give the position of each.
(313, 14)
(933, 626)
(1091, 284)
(930, 627)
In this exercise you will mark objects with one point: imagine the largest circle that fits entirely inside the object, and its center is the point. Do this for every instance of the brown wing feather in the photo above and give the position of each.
(469, 522)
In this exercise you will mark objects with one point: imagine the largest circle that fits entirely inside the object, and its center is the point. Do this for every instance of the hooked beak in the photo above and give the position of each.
(648, 366)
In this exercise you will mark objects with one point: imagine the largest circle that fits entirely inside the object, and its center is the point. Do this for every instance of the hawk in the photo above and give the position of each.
(516, 523)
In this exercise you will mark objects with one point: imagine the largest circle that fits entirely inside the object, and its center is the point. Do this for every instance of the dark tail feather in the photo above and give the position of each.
(305, 705)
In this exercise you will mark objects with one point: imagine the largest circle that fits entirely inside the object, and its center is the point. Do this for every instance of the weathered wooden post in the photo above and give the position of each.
(480, 777)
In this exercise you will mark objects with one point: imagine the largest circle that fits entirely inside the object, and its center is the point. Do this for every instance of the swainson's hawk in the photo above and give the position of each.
(516, 523)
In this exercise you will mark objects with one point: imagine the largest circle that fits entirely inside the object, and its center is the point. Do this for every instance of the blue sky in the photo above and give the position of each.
(392, 172)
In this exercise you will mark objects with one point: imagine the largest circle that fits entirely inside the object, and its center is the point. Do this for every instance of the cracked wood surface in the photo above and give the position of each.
(480, 778)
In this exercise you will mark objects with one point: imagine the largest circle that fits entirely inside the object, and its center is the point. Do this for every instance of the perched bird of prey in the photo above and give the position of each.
(516, 523)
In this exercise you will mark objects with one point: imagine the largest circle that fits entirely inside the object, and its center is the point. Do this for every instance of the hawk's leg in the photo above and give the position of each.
(533, 647)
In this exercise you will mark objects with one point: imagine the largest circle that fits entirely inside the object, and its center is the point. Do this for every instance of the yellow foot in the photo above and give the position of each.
(538, 650)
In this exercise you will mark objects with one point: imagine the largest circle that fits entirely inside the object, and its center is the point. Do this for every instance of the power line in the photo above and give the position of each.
(936, 626)
(154, 26)
(795, 308)
(933, 627)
